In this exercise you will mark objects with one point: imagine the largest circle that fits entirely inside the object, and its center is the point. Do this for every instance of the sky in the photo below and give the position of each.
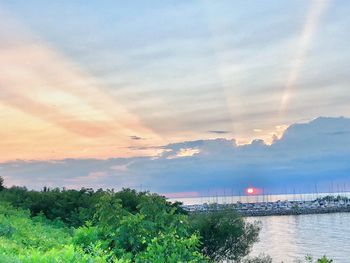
(113, 94)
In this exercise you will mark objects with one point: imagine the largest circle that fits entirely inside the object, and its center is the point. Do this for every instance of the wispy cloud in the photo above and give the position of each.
(219, 132)
(136, 138)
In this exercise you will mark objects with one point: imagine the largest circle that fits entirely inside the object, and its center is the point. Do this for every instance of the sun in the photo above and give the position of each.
(250, 190)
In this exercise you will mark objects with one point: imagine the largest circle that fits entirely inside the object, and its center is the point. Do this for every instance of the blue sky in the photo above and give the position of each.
(91, 80)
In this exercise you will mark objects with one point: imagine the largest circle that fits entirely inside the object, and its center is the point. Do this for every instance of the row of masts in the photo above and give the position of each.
(228, 196)
(233, 195)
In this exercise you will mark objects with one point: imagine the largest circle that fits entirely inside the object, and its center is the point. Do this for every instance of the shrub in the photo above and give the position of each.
(225, 234)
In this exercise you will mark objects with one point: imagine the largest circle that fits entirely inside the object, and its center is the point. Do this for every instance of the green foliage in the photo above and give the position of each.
(70, 206)
(20, 235)
(73, 207)
(171, 247)
(127, 225)
(154, 233)
(24, 233)
(66, 254)
(324, 259)
(2, 187)
(225, 234)
(116, 235)
(86, 237)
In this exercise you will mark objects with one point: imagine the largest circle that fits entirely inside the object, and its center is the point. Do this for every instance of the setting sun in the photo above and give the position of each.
(250, 190)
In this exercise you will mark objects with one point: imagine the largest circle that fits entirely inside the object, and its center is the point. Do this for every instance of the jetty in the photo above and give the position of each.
(328, 204)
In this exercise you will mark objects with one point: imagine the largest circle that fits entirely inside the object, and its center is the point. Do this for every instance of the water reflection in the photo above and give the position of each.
(287, 238)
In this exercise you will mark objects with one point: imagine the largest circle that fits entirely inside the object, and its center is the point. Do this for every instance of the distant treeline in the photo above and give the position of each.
(72, 207)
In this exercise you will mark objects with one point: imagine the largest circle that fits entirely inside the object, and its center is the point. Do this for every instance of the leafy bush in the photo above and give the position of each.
(324, 259)
(153, 234)
(171, 247)
(225, 234)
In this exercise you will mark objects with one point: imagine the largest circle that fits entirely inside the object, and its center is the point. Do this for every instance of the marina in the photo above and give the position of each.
(326, 204)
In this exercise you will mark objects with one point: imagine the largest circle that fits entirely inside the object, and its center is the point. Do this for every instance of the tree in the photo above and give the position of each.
(155, 233)
(225, 234)
(2, 187)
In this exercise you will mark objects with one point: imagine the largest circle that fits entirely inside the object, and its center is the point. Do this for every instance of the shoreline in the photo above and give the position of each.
(323, 205)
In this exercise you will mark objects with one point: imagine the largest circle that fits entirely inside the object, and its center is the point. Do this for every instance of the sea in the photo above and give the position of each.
(290, 238)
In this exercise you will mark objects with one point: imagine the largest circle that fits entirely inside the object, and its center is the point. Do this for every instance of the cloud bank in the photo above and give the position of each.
(308, 155)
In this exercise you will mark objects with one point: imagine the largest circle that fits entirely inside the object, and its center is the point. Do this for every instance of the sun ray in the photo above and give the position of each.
(317, 8)
(42, 83)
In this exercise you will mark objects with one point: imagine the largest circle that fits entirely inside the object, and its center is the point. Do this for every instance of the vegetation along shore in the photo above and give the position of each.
(59, 225)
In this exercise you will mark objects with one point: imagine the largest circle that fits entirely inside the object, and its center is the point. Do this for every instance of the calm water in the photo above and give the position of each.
(287, 238)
